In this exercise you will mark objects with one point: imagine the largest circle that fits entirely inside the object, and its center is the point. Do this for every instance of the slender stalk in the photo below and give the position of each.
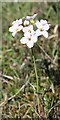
(36, 74)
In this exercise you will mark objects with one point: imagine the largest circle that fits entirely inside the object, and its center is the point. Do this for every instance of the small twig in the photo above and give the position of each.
(52, 36)
(8, 77)
(47, 56)
(33, 87)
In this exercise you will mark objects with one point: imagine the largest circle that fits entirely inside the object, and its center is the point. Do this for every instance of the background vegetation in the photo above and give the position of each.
(18, 96)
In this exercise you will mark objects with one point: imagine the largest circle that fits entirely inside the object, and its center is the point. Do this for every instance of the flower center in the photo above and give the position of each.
(17, 29)
(41, 29)
(29, 38)
(29, 31)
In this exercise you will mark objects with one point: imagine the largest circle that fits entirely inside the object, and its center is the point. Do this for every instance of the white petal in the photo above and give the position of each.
(28, 17)
(11, 29)
(20, 21)
(28, 28)
(13, 34)
(38, 32)
(23, 40)
(15, 26)
(43, 21)
(27, 34)
(26, 22)
(20, 27)
(34, 16)
(17, 22)
(31, 17)
(24, 29)
(38, 24)
(14, 22)
(30, 44)
(45, 34)
(34, 38)
(46, 26)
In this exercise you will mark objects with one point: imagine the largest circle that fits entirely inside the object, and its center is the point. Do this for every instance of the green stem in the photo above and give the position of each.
(36, 74)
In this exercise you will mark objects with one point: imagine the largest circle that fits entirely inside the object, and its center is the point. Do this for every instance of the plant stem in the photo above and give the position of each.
(36, 74)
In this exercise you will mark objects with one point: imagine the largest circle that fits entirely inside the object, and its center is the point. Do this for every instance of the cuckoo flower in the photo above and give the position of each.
(30, 36)
(15, 28)
(42, 26)
(29, 40)
(28, 29)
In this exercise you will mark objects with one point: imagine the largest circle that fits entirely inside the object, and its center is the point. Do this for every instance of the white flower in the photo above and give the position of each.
(26, 22)
(29, 39)
(31, 17)
(43, 21)
(15, 28)
(19, 22)
(28, 29)
(42, 26)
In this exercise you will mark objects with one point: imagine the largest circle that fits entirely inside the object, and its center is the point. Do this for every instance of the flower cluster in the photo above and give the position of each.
(27, 25)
